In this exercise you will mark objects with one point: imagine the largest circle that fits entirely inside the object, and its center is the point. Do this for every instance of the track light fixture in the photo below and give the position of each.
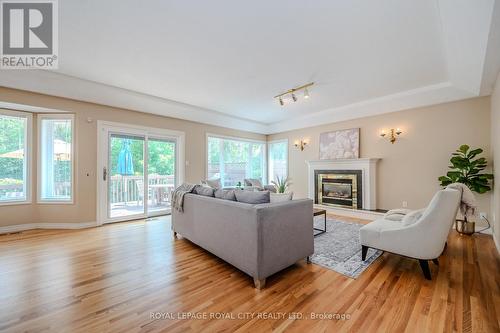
(292, 94)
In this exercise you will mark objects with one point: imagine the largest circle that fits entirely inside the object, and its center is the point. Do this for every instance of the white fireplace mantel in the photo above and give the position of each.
(368, 167)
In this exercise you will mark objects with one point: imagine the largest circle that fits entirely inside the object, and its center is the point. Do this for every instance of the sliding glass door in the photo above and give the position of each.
(161, 174)
(126, 190)
(139, 173)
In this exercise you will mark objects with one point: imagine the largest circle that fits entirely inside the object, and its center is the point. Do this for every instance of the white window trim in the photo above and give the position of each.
(104, 128)
(41, 117)
(226, 137)
(28, 151)
(269, 157)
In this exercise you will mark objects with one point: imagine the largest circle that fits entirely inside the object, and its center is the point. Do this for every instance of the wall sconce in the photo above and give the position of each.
(300, 144)
(393, 134)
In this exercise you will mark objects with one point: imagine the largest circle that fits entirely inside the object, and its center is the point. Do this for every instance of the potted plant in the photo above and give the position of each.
(281, 184)
(467, 169)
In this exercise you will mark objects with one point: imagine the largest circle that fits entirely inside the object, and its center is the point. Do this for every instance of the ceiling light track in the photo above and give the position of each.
(292, 93)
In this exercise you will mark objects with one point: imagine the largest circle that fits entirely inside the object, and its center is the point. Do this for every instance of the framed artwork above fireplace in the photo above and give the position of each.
(341, 144)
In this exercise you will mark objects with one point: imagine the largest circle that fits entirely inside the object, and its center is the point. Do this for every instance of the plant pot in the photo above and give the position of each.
(465, 227)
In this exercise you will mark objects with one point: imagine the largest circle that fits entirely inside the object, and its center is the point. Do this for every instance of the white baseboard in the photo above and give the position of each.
(355, 213)
(31, 226)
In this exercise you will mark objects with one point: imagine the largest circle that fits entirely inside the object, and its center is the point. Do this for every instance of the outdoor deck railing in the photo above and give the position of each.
(121, 189)
(130, 188)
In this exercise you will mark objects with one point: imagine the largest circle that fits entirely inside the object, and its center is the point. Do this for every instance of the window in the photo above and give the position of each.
(278, 159)
(15, 156)
(233, 160)
(55, 162)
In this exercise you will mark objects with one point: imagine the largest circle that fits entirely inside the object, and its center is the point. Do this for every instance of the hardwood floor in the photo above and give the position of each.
(132, 277)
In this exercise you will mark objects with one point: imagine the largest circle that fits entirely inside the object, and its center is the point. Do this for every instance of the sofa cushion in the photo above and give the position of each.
(253, 197)
(225, 194)
(281, 197)
(204, 190)
(213, 183)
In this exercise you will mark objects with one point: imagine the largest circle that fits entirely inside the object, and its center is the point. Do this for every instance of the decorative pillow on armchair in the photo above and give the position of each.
(253, 182)
(412, 217)
(213, 183)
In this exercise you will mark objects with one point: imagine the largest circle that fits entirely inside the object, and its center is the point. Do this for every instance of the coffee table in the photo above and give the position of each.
(317, 212)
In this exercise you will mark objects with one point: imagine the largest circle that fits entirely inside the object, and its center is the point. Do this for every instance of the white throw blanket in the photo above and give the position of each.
(178, 196)
(468, 203)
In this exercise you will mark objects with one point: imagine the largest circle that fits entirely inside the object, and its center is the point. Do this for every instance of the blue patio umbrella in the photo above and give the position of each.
(125, 166)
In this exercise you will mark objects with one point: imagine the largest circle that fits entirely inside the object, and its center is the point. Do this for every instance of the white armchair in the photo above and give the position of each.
(424, 239)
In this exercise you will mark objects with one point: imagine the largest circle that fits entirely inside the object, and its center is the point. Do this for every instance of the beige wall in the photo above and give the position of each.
(84, 209)
(409, 168)
(495, 144)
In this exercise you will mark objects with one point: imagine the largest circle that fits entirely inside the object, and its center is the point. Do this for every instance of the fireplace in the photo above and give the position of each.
(339, 188)
(365, 170)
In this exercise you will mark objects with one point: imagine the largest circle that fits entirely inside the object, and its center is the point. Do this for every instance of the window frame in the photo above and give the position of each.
(235, 138)
(55, 116)
(28, 151)
(269, 143)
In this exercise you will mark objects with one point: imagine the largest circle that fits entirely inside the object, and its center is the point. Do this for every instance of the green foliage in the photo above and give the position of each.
(467, 170)
(235, 152)
(281, 184)
(11, 139)
(10, 181)
(12, 168)
(12, 134)
(161, 156)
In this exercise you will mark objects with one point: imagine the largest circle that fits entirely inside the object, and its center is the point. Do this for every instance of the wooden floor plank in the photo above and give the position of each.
(118, 277)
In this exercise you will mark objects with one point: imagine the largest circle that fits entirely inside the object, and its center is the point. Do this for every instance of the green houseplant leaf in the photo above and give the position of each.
(281, 184)
(467, 170)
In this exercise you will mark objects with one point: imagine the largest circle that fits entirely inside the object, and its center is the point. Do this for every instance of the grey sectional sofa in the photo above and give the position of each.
(260, 240)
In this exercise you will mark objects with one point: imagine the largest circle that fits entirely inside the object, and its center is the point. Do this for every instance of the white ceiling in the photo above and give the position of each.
(221, 62)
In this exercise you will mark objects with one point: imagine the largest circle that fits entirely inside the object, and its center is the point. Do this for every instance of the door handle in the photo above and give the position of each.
(104, 174)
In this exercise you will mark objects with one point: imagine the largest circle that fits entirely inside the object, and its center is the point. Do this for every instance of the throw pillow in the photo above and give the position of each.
(256, 182)
(225, 194)
(253, 182)
(213, 183)
(412, 217)
(270, 188)
(281, 197)
(396, 214)
(204, 190)
(253, 197)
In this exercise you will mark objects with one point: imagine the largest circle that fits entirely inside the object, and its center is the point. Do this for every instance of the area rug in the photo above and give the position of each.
(339, 248)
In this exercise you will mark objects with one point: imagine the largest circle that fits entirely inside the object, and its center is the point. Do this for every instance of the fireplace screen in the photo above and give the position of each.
(336, 189)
